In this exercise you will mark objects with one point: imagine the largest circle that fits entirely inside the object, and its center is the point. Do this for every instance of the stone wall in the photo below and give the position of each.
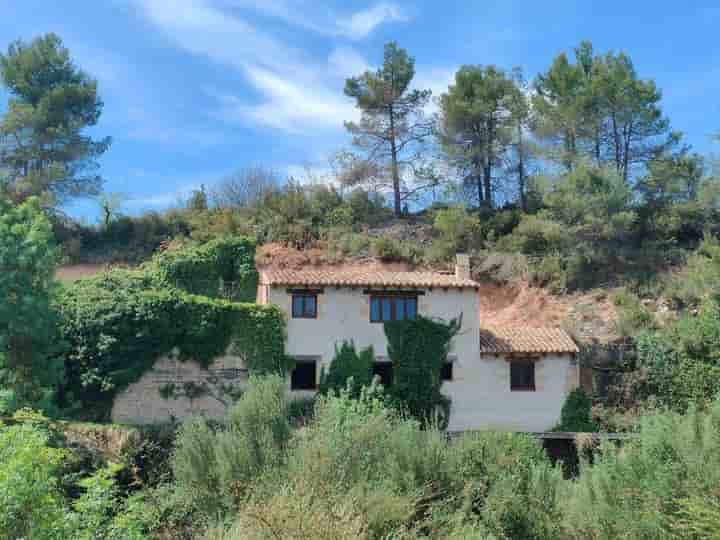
(142, 402)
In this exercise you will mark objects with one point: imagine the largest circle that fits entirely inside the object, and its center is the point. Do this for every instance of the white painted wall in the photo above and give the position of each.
(482, 399)
(344, 313)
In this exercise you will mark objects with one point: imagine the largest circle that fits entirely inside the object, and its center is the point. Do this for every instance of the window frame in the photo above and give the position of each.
(528, 363)
(392, 299)
(305, 388)
(303, 296)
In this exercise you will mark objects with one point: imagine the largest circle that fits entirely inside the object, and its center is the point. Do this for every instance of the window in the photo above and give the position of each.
(392, 308)
(304, 376)
(446, 374)
(304, 306)
(384, 370)
(522, 375)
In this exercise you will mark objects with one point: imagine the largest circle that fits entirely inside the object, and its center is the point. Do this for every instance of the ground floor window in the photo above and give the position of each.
(304, 376)
(384, 370)
(446, 373)
(522, 375)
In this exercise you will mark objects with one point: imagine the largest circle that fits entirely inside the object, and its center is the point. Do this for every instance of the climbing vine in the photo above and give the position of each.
(222, 267)
(418, 349)
(116, 325)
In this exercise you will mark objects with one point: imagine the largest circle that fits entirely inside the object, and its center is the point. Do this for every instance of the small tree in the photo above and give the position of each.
(28, 258)
(348, 367)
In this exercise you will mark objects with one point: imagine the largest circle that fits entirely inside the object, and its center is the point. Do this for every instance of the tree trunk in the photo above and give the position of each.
(395, 171)
(487, 183)
(521, 170)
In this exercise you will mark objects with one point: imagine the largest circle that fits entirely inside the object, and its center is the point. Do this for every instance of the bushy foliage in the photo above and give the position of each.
(418, 349)
(214, 466)
(29, 368)
(456, 232)
(634, 493)
(223, 265)
(31, 501)
(680, 361)
(348, 369)
(576, 413)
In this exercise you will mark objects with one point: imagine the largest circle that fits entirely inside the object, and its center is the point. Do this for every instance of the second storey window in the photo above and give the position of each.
(392, 308)
(304, 306)
(522, 375)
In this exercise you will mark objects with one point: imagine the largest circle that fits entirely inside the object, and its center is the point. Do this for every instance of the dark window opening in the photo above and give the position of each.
(522, 375)
(384, 370)
(304, 376)
(392, 308)
(446, 374)
(304, 306)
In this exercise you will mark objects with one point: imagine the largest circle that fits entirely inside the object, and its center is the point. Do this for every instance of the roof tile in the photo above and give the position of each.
(526, 340)
(335, 277)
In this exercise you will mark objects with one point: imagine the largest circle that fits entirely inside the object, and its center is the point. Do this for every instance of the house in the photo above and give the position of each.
(497, 378)
(514, 379)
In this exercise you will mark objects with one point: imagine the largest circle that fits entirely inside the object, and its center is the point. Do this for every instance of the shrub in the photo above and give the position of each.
(215, 467)
(348, 369)
(634, 493)
(576, 413)
(386, 249)
(633, 316)
(31, 502)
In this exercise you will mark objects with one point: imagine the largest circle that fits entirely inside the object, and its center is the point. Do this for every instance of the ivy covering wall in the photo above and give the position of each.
(225, 264)
(116, 325)
(418, 349)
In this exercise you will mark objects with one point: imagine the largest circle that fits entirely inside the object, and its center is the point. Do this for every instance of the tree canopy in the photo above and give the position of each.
(44, 149)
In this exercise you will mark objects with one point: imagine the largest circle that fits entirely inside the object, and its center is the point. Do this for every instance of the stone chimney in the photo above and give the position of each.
(462, 266)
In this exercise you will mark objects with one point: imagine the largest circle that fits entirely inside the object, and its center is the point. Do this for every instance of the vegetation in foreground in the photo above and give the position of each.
(359, 469)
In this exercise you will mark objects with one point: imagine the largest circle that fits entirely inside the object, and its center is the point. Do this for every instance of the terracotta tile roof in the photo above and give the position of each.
(333, 277)
(526, 340)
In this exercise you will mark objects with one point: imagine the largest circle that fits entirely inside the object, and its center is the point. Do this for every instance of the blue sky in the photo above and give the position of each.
(195, 89)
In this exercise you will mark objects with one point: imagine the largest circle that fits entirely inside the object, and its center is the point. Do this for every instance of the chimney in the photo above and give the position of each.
(462, 266)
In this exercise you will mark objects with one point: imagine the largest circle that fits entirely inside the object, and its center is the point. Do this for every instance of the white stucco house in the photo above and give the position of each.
(511, 378)
(503, 378)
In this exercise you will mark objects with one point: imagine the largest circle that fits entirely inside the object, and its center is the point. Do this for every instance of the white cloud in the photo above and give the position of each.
(362, 23)
(318, 18)
(347, 62)
(296, 93)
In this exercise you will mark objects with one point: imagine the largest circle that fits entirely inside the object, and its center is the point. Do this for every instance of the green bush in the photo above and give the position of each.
(31, 501)
(348, 369)
(214, 467)
(576, 413)
(386, 249)
(633, 316)
(635, 492)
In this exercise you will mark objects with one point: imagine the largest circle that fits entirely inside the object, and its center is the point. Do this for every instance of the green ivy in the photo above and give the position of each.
(418, 349)
(116, 325)
(222, 267)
